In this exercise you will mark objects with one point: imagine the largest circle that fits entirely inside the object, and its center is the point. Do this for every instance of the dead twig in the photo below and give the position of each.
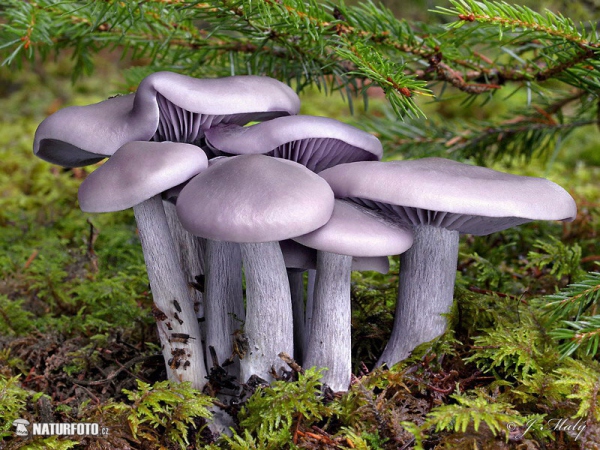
(111, 376)
(291, 362)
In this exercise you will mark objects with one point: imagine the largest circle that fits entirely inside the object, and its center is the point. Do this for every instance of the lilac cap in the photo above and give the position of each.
(355, 231)
(315, 142)
(450, 194)
(137, 172)
(254, 198)
(222, 96)
(166, 107)
(80, 135)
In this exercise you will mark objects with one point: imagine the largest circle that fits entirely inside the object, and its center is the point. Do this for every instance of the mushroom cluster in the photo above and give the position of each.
(266, 202)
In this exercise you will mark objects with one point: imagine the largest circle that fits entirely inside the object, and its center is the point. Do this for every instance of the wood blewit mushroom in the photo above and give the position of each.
(441, 198)
(187, 107)
(351, 231)
(315, 142)
(166, 107)
(298, 260)
(257, 201)
(222, 307)
(135, 176)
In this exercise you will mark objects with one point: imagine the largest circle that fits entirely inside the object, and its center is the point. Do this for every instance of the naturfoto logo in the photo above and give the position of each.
(21, 426)
(58, 429)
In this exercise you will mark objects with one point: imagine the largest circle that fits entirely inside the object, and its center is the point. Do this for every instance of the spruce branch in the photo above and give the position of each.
(307, 42)
(576, 299)
(574, 313)
(584, 334)
(561, 49)
(336, 47)
(527, 133)
(398, 88)
(516, 17)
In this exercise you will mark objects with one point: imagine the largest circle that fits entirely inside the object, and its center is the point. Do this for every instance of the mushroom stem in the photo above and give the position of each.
(190, 250)
(296, 278)
(269, 322)
(177, 325)
(224, 297)
(425, 291)
(329, 342)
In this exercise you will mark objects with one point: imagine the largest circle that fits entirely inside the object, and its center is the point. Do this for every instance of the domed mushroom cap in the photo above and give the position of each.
(237, 94)
(450, 194)
(166, 107)
(137, 172)
(315, 142)
(254, 198)
(354, 231)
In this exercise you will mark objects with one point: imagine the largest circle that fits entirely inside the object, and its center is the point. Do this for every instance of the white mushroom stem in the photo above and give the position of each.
(190, 250)
(269, 322)
(329, 342)
(296, 279)
(425, 291)
(224, 298)
(177, 324)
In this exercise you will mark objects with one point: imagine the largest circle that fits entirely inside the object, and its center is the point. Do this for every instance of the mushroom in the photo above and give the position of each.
(135, 176)
(191, 255)
(224, 299)
(257, 201)
(441, 198)
(166, 107)
(223, 295)
(315, 142)
(352, 230)
(187, 107)
(221, 306)
(78, 136)
(299, 259)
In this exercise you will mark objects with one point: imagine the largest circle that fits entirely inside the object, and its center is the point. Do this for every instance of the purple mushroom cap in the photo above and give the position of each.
(254, 198)
(315, 142)
(449, 194)
(166, 107)
(439, 199)
(81, 135)
(138, 171)
(355, 231)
